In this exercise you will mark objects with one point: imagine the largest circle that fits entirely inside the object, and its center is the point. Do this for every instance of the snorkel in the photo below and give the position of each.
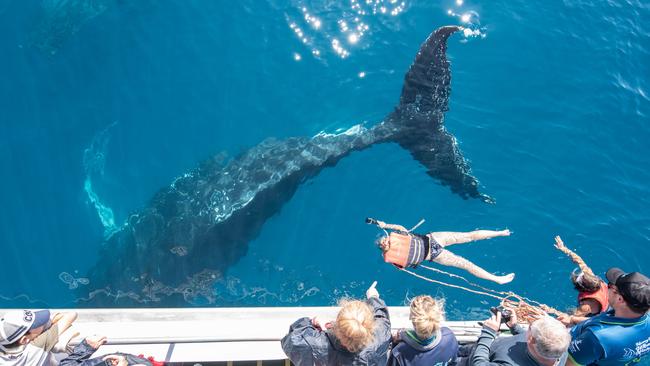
(584, 282)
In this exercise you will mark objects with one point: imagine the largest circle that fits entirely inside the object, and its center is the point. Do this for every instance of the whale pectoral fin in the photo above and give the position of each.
(438, 151)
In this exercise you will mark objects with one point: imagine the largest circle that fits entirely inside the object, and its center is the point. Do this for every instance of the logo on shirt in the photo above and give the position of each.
(642, 347)
(28, 316)
(574, 347)
(628, 354)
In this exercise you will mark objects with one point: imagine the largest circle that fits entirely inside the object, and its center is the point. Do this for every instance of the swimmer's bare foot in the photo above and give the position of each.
(502, 280)
(505, 232)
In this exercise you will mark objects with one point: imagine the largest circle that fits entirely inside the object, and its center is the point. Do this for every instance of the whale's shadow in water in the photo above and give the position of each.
(173, 251)
(61, 19)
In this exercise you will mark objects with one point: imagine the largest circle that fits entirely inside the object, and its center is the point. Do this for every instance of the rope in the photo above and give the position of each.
(449, 284)
(505, 294)
(502, 293)
(520, 304)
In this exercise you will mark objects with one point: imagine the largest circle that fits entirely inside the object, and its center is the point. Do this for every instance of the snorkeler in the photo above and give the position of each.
(403, 248)
(592, 291)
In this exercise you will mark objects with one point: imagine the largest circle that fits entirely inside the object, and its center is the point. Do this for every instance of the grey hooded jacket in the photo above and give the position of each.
(307, 345)
(80, 356)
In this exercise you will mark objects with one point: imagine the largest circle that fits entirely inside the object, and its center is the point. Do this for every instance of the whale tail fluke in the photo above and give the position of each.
(420, 114)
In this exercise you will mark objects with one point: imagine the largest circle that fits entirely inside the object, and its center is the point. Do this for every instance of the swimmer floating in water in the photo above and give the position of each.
(405, 249)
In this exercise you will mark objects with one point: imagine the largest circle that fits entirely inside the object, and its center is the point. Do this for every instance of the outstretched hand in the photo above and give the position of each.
(559, 243)
(494, 322)
(320, 324)
(395, 336)
(96, 341)
(372, 291)
(565, 319)
(513, 317)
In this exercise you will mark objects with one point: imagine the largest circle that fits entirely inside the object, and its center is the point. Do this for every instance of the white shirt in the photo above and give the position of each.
(36, 353)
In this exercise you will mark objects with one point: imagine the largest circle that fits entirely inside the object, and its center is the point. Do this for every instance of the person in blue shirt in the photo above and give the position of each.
(428, 343)
(621, 335)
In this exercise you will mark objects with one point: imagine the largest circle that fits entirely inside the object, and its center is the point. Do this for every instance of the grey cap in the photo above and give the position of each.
(16, 323)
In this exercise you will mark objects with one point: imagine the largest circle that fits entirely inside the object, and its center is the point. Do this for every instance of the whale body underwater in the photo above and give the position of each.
(172, 251)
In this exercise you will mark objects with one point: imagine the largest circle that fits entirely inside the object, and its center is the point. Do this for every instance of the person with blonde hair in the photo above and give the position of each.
(428, 343)
(360, 335)
(403, 248)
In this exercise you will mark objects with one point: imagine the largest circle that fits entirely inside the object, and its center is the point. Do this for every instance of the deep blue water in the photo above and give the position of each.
(550, 104)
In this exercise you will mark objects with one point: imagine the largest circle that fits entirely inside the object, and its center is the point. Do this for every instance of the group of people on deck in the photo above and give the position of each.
(37, 337)
(610, 325)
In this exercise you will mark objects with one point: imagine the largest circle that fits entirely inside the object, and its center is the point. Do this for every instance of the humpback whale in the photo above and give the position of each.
(61, 19)
(174, 249)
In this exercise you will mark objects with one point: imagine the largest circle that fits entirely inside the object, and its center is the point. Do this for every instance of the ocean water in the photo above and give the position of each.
(103, 103)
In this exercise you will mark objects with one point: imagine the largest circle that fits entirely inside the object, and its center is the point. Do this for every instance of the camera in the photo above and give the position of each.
(371, 221)
(506, 314)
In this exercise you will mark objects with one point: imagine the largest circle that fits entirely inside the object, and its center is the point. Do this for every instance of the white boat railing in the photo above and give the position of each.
(214, 334)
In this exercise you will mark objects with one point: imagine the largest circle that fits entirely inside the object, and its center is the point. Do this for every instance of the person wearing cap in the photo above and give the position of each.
(28, 336)
(621, 335)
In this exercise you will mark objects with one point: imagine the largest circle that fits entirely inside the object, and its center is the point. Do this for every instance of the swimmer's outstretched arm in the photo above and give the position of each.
(448, 258)
(559, 244)
(384, 225)
(446, 238)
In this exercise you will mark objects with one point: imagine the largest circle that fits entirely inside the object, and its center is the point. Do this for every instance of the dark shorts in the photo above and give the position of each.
(421, 246)
(434, 247)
